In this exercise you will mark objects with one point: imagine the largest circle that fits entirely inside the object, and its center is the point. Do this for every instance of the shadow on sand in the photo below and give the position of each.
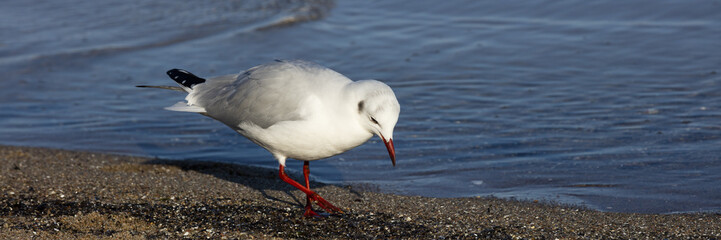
(258, 178)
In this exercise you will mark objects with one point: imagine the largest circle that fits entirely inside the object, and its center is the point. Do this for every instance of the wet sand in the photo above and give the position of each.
(57, 194)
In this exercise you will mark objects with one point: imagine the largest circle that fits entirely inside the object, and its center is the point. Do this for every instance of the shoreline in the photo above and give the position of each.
(51, 194)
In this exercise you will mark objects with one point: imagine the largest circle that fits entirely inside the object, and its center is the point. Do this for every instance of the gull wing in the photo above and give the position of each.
(263, 95)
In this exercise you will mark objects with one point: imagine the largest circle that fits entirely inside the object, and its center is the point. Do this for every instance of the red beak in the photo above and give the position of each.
(391, 150)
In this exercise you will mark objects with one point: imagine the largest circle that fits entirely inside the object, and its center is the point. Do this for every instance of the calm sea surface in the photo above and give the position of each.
(613, 105)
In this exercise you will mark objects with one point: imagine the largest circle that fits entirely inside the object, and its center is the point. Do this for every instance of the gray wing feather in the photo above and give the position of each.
(263, 95)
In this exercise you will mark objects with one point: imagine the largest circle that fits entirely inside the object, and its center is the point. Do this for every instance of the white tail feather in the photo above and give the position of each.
(184, 107)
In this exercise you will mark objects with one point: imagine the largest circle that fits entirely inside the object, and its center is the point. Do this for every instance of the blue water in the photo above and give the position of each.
(613, 105)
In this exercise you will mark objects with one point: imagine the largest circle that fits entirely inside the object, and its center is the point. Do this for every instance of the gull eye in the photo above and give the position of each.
(374, 120)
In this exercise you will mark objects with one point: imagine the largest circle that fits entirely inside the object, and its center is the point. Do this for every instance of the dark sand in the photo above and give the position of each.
(51, 194)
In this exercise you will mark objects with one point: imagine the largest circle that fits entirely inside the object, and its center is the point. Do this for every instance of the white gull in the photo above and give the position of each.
(295, 109)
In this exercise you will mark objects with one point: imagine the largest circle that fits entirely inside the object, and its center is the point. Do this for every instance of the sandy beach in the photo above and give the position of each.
(58, 194)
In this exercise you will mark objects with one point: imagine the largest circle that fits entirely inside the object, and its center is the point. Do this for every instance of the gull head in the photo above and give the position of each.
(378, 111)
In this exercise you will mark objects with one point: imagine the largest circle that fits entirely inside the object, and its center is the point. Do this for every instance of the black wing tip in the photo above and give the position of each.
(184, 77)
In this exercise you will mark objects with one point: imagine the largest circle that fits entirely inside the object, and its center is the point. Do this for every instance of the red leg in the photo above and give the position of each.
(308, 206)
(309, 194)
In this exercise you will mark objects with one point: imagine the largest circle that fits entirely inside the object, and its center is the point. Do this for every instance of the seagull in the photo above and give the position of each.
(294, 109)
